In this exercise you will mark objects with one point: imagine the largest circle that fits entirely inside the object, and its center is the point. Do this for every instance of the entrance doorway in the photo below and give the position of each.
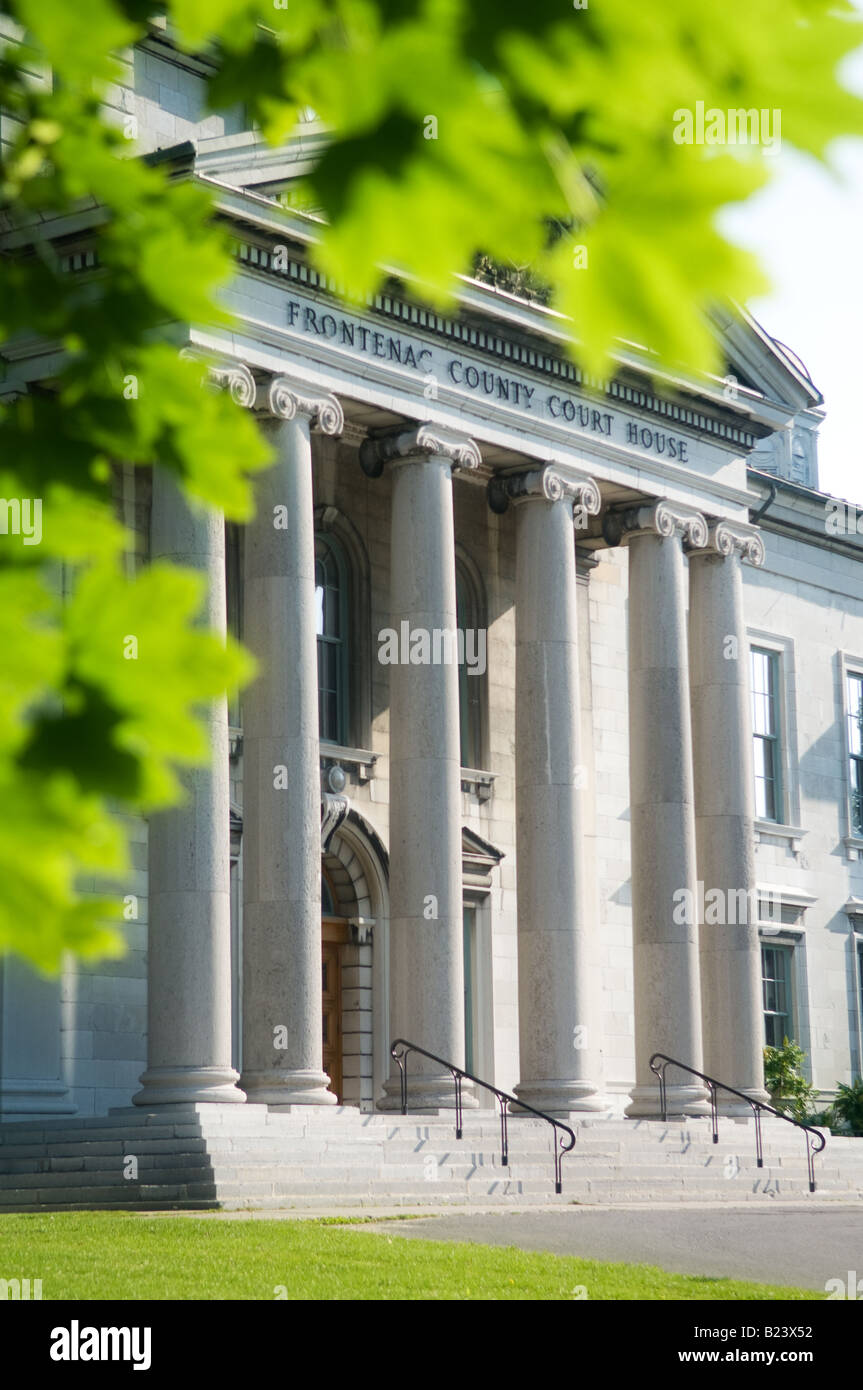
(334, 938)
(349, 1041)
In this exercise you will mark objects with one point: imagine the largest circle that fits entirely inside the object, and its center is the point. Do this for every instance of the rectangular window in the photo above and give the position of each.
(469, 939)
(766, 734)
(855, 751)
(776, 986)
(331, 612)
(234, 610)
(469, 685)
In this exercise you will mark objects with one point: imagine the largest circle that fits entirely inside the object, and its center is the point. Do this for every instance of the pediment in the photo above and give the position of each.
(763, 364)
(479, 859)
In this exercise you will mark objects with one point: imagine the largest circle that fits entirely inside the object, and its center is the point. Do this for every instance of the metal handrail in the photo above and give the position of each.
(400, 1051)
(757, 1106)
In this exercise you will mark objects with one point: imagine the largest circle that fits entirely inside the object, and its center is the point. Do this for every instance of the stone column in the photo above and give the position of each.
(426, 927)
(189, 937)
(557, 1033)
(665, 938)
(282, 1010)
(725, 812)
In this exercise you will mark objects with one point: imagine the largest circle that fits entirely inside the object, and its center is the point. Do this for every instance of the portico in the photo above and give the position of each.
(697, 994)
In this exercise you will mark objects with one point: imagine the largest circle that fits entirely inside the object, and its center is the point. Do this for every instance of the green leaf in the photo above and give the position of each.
(80, 48)
(133, 641)
(49, 834)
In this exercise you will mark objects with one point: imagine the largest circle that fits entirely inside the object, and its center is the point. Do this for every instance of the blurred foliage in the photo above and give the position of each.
(789, 1090)
(460, 128)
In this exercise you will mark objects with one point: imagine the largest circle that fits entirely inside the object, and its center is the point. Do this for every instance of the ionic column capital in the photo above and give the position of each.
(662, 518)
(732, 538)
(546, 484)
(225, 375)
(421, 440)
(288, 399)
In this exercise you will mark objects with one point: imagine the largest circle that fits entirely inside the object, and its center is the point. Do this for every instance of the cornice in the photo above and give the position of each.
(515, 353)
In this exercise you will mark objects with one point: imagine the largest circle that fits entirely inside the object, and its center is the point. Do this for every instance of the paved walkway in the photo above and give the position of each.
(799, 1246)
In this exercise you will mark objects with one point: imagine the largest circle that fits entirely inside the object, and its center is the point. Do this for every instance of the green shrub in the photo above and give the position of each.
(790, 1092)
(845, 1115)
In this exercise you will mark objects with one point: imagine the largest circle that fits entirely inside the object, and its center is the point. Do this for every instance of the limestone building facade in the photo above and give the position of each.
(555, 759)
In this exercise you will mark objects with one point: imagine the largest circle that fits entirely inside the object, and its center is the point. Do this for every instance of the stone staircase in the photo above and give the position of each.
(234, 1157)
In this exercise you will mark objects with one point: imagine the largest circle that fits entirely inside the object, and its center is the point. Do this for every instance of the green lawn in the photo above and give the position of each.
(108, 1255)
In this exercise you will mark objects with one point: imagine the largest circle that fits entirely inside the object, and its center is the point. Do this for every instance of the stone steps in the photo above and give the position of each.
(649, 1162)
(470, 1168)
(586, 1139)
(230, 1156)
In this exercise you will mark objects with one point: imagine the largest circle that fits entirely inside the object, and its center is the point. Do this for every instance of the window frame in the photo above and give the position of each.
(850, 667)
(857, 956)
(775, 740)
(469, 687)
(333, 525)
(793, 937)
(472, 690)
(469, 915)
(330, 543)
(858, 996)
(234, 589)
(785, 948)
(789, 830)
(478, 901)
(854, 761)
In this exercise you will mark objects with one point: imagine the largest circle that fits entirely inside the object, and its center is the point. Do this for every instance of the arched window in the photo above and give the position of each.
(328, 897)
(233, 594)
(331, 610)
(469, 618)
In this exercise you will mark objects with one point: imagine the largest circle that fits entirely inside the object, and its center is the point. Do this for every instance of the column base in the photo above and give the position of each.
(680, 1100)
(189, 1085)
(280, 1089)
(427, 1094)
(731, 1105)
(562, 1097)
